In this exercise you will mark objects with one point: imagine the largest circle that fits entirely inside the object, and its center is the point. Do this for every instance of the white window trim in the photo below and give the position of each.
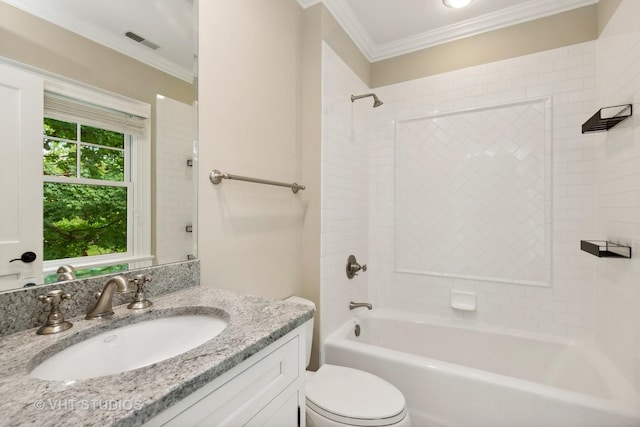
(140, 254)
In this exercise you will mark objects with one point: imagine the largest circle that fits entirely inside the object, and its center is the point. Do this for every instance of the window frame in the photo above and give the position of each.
(139, 216)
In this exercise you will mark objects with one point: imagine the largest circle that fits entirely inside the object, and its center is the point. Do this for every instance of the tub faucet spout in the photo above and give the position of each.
(353, 305)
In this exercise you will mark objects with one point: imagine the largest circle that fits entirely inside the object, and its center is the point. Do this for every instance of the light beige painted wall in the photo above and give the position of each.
(606, 9)
(575, 26)
(311, 162)
(250, 123)
(260, 115)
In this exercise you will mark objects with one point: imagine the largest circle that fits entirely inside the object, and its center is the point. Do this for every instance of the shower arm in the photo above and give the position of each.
(376, 100)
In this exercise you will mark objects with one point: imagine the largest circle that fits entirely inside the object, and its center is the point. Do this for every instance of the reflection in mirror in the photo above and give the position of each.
(89, 218)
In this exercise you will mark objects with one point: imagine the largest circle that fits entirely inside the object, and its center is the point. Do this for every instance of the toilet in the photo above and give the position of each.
(338, 396)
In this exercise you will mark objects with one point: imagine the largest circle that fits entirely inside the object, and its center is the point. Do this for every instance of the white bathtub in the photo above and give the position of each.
(455, 375)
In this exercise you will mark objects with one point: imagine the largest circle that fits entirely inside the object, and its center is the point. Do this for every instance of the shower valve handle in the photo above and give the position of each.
(353, 267)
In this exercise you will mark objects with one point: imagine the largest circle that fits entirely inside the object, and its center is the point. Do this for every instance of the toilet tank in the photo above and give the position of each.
(308, 324)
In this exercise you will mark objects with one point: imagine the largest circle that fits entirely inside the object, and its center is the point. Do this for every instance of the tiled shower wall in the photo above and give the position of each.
(345, 190)
(617, 283)
(472, 194)
(565, 78)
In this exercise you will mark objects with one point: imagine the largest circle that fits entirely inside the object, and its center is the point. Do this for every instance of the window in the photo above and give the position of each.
(93, 169)
(86, 187)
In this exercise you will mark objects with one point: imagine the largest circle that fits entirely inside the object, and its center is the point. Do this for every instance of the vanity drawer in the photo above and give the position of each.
(238, 395)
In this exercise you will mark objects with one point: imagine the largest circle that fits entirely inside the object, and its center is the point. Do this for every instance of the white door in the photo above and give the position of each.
(21, 112)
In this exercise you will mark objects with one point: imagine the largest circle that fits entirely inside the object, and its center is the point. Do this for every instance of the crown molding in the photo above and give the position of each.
(348, 20)
(305, 4)
(120, 44)
(529, 11)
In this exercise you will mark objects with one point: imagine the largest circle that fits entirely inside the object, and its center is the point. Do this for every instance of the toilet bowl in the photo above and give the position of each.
(337, 396)
(340, 396)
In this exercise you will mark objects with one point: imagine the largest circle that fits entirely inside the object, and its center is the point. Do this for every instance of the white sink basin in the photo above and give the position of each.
(130, 347)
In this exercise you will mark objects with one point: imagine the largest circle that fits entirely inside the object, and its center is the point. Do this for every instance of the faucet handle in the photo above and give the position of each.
(140, 279)
(353, 267)
(55, 320)
(54, 297)
(140, 301)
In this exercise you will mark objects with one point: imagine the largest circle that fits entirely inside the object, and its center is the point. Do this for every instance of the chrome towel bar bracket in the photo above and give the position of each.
(216, 177)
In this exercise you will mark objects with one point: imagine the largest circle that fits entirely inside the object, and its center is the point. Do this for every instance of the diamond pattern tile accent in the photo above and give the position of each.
(470, 194)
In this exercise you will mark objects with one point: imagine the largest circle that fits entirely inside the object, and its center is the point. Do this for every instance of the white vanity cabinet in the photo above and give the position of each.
(267, 389)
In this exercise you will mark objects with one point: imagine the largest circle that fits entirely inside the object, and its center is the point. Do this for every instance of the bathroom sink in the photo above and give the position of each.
(130, 347)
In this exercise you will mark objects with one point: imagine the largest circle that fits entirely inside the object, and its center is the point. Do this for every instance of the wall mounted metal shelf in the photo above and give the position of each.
(604, 249)
(606, 118)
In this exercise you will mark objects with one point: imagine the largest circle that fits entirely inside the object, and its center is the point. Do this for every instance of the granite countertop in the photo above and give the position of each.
(133, 397)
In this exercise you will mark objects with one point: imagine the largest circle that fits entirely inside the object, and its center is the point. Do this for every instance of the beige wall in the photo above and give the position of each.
(575, 26)
(260, 115)
(311, 161)
(606, 9)
(250, 123)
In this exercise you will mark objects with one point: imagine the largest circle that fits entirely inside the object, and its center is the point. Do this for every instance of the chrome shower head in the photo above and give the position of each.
(376, 100)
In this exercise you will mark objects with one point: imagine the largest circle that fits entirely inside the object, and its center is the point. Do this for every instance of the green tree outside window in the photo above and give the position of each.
(81, 219)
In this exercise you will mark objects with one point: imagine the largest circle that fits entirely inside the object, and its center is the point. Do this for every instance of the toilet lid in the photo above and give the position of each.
(354, 397)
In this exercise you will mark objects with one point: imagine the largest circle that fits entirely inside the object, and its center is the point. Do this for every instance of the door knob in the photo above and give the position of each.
(26, 257)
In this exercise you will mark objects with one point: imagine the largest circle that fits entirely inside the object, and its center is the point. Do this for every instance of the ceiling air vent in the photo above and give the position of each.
(141, 40)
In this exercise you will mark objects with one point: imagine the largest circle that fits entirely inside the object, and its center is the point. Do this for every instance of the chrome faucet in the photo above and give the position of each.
(104, 305)
(353, 305)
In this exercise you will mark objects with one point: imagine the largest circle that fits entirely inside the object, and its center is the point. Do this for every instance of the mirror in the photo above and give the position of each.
(142, 50)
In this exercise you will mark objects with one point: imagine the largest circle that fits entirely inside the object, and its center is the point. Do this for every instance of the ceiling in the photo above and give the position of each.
(380, 28)
(386, 28)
